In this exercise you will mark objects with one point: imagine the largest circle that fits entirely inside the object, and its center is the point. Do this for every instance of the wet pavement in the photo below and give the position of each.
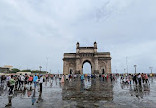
(89, 94)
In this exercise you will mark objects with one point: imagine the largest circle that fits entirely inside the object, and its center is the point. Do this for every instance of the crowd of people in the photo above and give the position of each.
(104, 77)
(19, 82)
(137, 79)
(31, 82)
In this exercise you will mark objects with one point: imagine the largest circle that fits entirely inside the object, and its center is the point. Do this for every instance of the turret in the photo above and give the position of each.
(77, 47)
(95, 47)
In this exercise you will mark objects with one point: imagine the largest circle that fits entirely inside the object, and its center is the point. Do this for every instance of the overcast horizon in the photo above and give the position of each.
(38, 33)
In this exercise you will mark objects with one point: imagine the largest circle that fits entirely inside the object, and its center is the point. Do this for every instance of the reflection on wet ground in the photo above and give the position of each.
(89, 94)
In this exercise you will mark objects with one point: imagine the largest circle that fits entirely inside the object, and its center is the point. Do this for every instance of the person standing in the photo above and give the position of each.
(11, 85)
(67, 77)
(19, 82)
(82, 78)
(26, 78)
(30, 79)
(8, 79)
(62, 79)
(111, 77)
(139, 79)
(130, 78)
(143, 77)
(135, 79)
(35, 79)
(146, 78)
(22, 79)
(1, 78)
(40, 82)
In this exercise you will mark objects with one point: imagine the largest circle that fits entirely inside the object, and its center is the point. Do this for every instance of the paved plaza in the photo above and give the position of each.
(88, 94)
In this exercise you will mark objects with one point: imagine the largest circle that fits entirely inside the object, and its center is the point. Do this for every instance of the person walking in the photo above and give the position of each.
(139, 79)
(62, 79)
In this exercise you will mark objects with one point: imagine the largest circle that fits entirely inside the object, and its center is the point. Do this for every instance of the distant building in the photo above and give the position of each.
(23, 73)
(4, 70)
(8, 66)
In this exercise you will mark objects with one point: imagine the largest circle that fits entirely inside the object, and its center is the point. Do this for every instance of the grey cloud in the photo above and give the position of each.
(30, 31)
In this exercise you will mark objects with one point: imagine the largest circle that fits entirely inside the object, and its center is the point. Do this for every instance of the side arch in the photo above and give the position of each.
(103, 67)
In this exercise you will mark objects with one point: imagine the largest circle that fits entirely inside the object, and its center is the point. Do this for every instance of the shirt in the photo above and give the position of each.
(8, 78)
(139, 76)
(35, 78)
(30, 78)
(41, 80)
(82, 77)
(12, 82)
(22, 78)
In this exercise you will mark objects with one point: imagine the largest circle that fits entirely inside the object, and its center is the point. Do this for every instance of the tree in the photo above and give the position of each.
(28, 70)
(14, 70)
(38, 71)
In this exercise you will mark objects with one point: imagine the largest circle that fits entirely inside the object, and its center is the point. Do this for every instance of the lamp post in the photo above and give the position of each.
(151, 69)
(124, 70)
(40, 68)
(116, 70)
(47, 64)
(127, 64)
(135, 68)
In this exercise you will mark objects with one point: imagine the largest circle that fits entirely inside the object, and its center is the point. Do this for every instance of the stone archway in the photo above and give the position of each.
(103, 71)
(87, 61)
(71, 71)
(98, 60)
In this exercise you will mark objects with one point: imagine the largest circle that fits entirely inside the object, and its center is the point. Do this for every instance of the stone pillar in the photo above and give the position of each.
(96, 70)
(65, 67)
(109, 66)
(77, 64)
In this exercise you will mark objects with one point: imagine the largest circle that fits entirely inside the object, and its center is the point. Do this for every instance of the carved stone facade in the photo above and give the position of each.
(100, 61)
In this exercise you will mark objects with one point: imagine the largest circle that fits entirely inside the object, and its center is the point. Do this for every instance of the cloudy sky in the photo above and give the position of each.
(38, 32)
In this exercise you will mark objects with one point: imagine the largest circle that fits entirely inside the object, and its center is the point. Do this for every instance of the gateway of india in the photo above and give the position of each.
(100, 61)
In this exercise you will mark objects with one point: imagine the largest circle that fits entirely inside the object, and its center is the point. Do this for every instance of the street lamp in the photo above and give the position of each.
(124, 70)
(151, 69)
(135, 68)
(40, 68)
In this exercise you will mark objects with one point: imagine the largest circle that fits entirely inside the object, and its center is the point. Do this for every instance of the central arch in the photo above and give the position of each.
(86, 62)
(89, 62)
